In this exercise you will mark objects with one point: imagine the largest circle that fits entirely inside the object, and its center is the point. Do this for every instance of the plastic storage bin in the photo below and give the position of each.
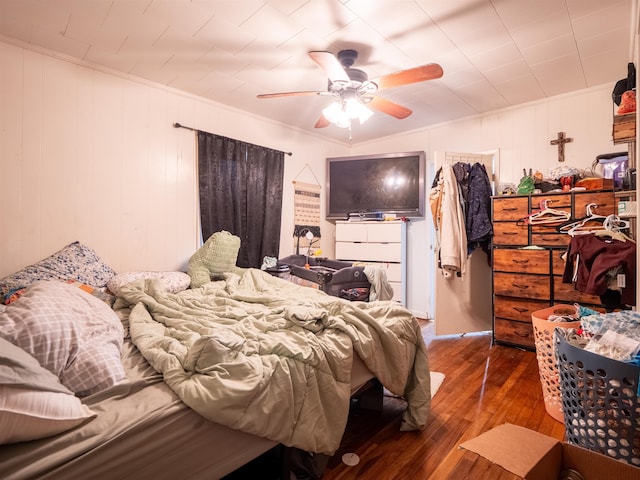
(546, 355)
(600, 402)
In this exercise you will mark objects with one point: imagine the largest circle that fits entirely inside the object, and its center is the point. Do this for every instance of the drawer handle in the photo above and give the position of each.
(511, 233)
(521, 261)
(549, 239)
(509, 209)
(521, 310)
(524, 287)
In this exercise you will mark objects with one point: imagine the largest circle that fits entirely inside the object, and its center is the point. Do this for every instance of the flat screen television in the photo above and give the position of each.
(391, 183)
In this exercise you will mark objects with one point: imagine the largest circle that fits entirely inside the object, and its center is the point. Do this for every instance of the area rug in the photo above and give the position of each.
(436, 380)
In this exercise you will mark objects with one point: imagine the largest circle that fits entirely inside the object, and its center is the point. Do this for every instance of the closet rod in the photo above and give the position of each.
(178, 125)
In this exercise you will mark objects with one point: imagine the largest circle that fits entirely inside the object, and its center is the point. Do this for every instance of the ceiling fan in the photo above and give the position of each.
(353, 89)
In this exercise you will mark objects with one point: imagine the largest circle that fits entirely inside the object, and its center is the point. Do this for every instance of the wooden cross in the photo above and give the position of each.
(560, 141)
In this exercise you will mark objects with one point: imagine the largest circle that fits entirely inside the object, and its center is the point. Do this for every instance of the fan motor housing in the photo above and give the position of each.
(357, 75)
(347, 57)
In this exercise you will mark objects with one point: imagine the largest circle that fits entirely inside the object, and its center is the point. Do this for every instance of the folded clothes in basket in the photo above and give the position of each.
(614, 335)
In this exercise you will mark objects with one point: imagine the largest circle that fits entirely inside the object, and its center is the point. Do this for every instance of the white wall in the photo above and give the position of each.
(522, 135)
(91, 156)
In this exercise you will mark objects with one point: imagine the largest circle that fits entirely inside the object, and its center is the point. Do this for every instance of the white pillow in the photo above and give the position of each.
(30, 414)
(174, 282)
(69, 332)
(33, 402)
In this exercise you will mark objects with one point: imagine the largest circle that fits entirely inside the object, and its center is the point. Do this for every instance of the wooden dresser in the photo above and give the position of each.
(526, 262)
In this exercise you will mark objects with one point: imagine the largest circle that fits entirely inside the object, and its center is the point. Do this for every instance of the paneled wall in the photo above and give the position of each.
(521, 137)
(90, 156)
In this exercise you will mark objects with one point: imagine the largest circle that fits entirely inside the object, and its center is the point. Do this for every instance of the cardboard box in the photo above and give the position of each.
(534, 456)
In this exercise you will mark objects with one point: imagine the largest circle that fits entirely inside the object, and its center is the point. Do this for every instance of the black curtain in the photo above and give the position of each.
(240, 188)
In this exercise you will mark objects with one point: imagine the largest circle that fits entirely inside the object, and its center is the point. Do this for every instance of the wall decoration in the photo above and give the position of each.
(306, 214)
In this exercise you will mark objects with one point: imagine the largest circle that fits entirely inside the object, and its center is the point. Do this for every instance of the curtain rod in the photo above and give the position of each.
(177, 125)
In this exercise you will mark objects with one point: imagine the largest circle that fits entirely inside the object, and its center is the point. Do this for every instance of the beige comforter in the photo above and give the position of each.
(265, 356)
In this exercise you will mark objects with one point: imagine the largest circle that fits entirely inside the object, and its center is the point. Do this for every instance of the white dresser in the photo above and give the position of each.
(376, 243)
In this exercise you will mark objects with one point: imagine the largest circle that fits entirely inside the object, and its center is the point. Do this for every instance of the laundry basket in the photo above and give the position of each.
(600, 402)
(546, 355)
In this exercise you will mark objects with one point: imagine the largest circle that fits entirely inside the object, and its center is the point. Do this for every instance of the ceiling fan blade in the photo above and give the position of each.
(322, 122)
(291, 94)
(412, 75)
(331, 66)
(388, 107)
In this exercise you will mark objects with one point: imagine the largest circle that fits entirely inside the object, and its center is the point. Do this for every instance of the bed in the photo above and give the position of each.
(205, 379)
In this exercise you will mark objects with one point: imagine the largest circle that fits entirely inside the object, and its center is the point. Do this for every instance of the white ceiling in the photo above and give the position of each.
(494, 53)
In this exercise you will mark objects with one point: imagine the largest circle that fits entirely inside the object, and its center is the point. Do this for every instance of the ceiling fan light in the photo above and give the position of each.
(357, 110)
(337, 115)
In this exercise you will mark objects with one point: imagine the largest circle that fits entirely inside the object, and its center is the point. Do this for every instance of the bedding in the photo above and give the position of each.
(140, 429)
(69, 332)
(75, 261)
(174, 282)
(33, 402)
(286, 359)
(262, 355)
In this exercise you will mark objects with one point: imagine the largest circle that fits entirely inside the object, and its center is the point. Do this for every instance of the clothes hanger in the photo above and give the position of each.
(584, 224)
(613, 235)
(609, 225)
(613, 228)
(615, 224)
(546, 215)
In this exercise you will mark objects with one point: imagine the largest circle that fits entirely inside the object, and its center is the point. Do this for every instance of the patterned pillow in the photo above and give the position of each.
(33, 402)
(174, 282)
(100, 293)
(70, 333)
(74, 262)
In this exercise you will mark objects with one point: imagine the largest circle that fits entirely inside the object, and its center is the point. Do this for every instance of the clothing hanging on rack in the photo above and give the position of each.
(597, 265)
(460, 201)
(478, 212)
(448, 218)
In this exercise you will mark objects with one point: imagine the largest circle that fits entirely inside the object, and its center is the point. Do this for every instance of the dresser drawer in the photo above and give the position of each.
(517, 260)
(373, 232)
(605, 202)
(559, 201)
(512, 331)
(373, 252)
(549, 238)
(510, 233)
(522, 285)
(351, 232)
(557, 262)
(510, 208)
(567, 293)
(517, 308)
(383, 232)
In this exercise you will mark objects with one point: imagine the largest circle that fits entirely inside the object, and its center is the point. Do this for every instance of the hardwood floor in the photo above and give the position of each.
(485, 386)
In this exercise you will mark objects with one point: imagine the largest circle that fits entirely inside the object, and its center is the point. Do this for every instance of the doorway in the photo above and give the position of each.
(461, 305)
